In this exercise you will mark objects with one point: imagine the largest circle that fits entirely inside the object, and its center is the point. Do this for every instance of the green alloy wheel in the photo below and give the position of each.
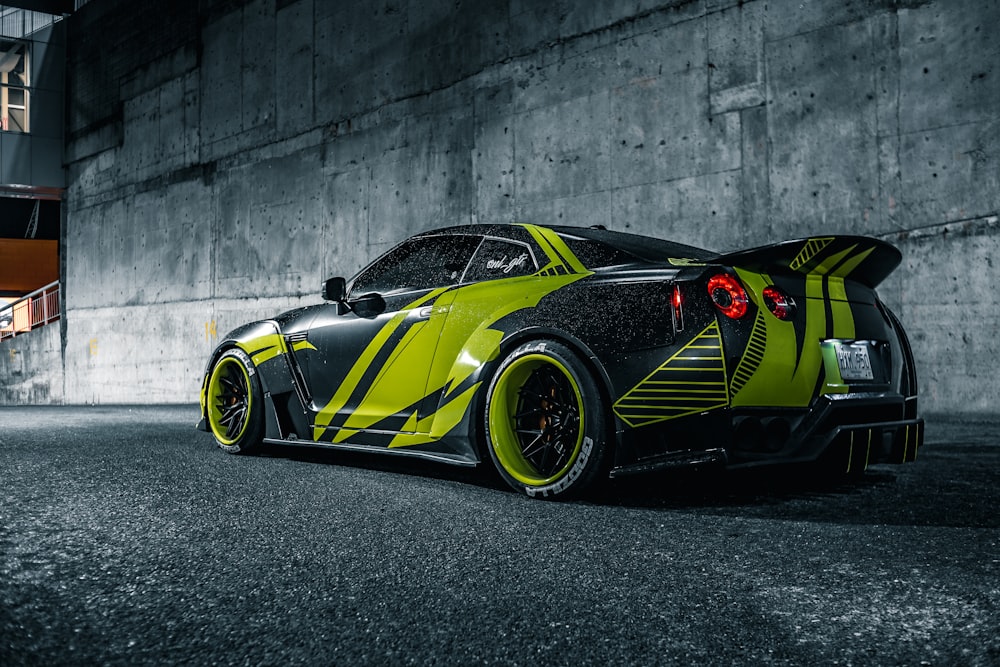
(545, 425)
(233, 403)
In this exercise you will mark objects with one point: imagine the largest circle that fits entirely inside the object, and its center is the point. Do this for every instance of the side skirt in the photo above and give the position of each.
(428, 456)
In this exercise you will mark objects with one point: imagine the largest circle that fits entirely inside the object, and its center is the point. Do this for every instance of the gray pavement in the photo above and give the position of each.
(127, 538)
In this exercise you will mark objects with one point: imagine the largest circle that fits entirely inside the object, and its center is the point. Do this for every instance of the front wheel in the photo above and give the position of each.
(233, 404)
(545, 426)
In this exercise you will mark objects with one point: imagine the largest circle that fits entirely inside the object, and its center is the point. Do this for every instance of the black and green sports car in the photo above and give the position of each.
(567, 355)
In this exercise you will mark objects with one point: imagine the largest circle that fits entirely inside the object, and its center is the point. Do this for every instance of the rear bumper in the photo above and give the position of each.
(853, 430)
(848, 431)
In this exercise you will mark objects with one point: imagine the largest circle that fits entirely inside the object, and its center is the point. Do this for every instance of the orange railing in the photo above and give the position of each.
(30, 311)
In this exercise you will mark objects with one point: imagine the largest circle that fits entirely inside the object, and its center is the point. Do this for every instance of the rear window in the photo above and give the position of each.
(594, 254)
(641, 247)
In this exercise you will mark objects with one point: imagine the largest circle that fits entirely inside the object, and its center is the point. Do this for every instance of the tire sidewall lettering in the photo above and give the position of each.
(244, 359)
(563, 483)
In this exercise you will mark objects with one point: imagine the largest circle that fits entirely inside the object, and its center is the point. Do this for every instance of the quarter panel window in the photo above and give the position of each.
(500, 259)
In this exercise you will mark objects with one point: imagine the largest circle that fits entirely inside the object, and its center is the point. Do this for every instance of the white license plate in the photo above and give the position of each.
(854, 361)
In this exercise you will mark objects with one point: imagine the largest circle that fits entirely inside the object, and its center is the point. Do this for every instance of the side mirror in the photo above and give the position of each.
(368, 305)
(335, 289)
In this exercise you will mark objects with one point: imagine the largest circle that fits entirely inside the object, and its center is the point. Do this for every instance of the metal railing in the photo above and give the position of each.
(30, 311)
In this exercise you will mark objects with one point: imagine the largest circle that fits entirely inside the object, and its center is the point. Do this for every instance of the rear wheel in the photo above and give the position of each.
(545, 425)
(234, 406)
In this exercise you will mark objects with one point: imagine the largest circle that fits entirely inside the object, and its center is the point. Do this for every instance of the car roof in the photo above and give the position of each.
(646, 248)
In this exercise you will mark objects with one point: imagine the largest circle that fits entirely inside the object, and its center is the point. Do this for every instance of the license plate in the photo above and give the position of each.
(854, 361)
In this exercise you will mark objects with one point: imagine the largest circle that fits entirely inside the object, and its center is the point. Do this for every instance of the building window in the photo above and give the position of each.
(14, 83)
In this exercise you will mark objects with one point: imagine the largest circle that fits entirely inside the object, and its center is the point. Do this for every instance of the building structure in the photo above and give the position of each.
(223, 157)
(32, 177)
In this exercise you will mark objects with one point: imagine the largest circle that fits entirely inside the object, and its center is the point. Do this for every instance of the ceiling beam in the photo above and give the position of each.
(57, 7)
(31, 192)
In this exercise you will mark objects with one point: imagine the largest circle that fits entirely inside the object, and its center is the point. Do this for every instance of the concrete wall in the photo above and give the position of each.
(225, 157)
(31, 368)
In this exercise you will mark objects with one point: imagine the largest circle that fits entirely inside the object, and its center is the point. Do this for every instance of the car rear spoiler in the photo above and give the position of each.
(861, 258)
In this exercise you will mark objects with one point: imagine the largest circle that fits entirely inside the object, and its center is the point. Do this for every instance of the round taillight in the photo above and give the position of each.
(780, 304)
(728, 295)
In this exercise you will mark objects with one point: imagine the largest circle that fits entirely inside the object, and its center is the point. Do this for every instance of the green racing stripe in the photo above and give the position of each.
(461, 338)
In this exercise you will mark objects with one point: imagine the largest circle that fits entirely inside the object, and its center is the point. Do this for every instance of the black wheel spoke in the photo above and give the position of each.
(524, 392)
(234, 426)
(531, 450)
(546, 420)
(543, 463)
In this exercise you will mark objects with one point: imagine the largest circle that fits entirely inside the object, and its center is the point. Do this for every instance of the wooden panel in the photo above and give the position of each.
(27, 264)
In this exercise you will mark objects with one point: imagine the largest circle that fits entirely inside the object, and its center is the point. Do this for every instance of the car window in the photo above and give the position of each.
(420, 263)
(594, 254)
(500, 259)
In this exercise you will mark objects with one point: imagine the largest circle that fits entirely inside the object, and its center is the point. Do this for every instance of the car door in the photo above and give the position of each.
(366, 367)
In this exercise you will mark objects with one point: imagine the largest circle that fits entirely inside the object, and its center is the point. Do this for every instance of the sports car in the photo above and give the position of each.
(565, 356)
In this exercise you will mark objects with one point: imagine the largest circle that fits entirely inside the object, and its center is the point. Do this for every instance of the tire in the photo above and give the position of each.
(234, 405)
(545, 424)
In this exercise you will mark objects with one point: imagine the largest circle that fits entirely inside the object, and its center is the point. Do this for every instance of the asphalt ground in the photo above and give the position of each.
(127, 538)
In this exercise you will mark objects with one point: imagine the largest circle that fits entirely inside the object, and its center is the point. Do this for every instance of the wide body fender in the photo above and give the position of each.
(264, 345)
